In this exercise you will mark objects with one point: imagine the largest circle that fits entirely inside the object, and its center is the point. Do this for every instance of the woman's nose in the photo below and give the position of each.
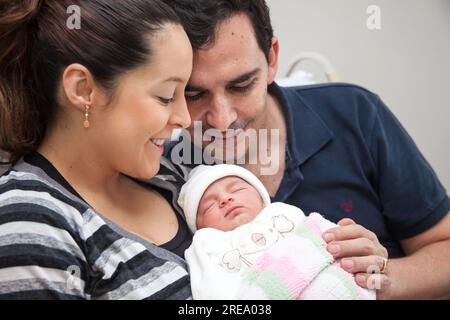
(225, 201)
(180, 117)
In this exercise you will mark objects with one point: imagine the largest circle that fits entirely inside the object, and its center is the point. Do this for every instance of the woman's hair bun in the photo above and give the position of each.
(18, 33)
(17, 21)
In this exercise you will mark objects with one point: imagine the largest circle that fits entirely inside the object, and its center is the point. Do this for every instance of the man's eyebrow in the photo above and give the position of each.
(194, 88)
(243, 78)
(231, 83)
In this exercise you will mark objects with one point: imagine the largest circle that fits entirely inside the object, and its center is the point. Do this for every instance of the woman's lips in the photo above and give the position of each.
(158, 144)
(232, 210)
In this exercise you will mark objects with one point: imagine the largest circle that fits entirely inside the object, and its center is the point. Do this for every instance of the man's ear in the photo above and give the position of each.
(78, 86)
(273, 60)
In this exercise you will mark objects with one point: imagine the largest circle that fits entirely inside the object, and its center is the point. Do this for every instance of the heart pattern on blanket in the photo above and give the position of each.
(282, 224)
(259, 239)
(231, 260)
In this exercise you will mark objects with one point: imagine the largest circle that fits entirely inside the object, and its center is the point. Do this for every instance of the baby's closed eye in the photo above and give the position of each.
(208, 206)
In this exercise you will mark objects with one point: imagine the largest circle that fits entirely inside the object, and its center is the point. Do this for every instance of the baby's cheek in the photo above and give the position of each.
(201, 221)
(209, 220)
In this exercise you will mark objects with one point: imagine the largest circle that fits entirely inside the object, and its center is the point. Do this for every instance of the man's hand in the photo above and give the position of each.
(360, 251)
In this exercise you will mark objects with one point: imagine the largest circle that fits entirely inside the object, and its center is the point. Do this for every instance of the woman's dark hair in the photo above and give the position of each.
(201, 18)
(37, 44)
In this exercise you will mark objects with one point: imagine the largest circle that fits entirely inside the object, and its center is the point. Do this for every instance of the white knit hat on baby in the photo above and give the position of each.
(202, 177)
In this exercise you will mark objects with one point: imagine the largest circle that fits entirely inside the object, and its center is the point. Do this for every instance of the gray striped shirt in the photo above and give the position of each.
(54, 246)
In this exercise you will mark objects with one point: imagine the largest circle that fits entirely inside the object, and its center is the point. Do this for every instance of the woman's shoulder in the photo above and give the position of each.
(30, 206)
(45, 229)
(22, 191)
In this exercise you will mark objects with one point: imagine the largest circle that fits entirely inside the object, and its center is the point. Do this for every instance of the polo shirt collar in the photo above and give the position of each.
(307, 133)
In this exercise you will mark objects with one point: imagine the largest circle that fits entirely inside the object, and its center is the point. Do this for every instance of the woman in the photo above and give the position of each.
(83, 114)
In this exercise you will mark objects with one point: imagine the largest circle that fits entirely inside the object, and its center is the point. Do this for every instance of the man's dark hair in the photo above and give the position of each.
(201, 18)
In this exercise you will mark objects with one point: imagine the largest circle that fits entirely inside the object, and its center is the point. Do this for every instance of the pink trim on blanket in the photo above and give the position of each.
(286, 270)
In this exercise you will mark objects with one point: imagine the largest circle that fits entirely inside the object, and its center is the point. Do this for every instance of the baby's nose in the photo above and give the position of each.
(225, 201)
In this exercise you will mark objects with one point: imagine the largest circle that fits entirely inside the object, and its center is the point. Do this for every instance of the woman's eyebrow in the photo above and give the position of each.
(174, 79)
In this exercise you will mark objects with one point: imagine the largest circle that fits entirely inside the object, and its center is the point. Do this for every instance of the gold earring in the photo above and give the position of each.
(87, 124)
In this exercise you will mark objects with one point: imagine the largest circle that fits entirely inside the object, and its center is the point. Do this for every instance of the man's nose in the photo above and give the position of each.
(226, 200)
(221, 114)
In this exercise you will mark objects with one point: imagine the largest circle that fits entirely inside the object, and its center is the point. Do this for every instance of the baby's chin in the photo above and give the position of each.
(242, 218)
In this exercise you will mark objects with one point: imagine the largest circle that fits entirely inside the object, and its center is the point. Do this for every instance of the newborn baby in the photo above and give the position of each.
(244, 247)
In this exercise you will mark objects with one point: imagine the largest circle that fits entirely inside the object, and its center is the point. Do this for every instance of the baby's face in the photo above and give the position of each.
(227, 204)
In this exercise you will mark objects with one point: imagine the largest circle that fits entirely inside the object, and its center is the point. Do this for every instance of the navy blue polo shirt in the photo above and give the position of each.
(349, 157)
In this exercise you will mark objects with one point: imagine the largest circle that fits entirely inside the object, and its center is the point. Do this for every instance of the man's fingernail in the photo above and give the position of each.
(328, 237)
(347, 264)
(334, 248)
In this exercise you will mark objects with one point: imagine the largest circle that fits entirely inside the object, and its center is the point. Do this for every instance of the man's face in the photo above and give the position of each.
(228, 86)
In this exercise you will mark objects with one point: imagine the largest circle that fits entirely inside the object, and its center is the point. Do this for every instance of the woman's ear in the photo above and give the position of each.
(78, 86)
(273, 59)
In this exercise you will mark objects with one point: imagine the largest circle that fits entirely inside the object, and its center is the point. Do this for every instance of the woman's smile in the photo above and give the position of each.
(158, 144)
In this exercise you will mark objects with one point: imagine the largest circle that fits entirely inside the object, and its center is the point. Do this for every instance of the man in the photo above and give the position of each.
(341, 152)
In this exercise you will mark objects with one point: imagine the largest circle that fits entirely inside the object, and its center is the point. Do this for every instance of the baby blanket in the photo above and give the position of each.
(280, 255)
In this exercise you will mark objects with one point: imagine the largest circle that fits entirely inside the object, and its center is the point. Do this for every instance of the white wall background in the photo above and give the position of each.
(407, 62)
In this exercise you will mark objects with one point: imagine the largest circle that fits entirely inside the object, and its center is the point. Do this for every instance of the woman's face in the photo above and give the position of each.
(147, 105)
